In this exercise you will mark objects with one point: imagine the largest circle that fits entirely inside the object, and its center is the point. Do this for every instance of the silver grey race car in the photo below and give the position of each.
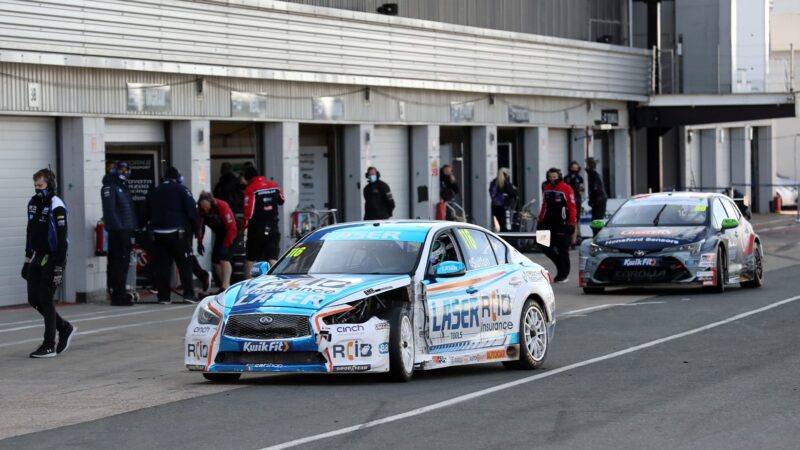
(669, 239)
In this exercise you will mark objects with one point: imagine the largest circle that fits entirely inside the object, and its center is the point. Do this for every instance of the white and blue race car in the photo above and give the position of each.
(394, 296)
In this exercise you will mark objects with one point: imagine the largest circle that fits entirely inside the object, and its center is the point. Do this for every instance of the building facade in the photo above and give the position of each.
(313, 93)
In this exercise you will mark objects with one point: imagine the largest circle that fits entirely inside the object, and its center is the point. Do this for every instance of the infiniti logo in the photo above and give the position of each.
(265, 320)
(639, 253)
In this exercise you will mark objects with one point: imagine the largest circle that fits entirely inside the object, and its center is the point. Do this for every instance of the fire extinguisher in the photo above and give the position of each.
(777, 203)
(101, 239)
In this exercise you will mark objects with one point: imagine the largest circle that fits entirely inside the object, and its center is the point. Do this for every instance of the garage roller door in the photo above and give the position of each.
(557, 150)
(390, 156)
(29, 144)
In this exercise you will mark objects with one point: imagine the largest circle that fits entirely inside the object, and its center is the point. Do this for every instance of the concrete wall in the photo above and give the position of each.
(82, 159)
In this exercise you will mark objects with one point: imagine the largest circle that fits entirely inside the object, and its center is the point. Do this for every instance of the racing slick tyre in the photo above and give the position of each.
(758, 269)
(593, 290)
(221, 377)
(401, 344)
(722, 274)
(533, 341)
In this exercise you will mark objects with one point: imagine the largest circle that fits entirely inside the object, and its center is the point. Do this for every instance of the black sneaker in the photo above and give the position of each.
(44, 351)
(64, 338)
(164, 302)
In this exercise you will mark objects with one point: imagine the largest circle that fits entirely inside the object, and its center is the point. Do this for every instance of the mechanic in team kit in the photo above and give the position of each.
(119, 219)
(260, 222)
(217, 215)
(378, 200)
(172, 216)
(45, 257)
(559, 215)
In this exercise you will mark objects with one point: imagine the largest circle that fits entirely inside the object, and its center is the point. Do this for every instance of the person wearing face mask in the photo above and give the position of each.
(45, 257)
(378, 200)
(559, 215)
(119, 219)
(575, 181)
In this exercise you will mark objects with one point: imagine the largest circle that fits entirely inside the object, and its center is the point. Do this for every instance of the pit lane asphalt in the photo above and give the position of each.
(734, 387)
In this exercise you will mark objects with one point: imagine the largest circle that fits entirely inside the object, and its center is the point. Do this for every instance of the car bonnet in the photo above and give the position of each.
(306, 293)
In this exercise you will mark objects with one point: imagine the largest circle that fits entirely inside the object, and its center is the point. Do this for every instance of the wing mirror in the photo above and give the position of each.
(727, 224)
(597, 224)
(259, 268)
(449, 269)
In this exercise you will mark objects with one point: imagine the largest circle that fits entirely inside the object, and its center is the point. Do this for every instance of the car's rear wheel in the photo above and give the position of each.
(758, 269)
(222, 377)
(533, 341)
(593, 290)
(401, 344)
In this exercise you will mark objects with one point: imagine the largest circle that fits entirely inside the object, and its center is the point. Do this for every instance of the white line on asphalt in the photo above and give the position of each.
(775, 228)
(605, 305)
(102, 330)
(521, 381)
(65, 317)
(110, 316)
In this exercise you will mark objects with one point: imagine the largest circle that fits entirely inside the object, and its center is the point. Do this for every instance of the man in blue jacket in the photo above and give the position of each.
(172, 216)
(119, 219)
(45, 257)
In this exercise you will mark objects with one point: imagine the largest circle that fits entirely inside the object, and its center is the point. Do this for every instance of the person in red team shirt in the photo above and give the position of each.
(260, 222)
(217, 215)
(559, 215)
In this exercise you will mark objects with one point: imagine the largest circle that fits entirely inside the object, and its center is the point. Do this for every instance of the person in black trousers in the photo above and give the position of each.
(378, 200)
(597, 192)
(45, 257)
(119, 219)
(575, 181)
(172, 216)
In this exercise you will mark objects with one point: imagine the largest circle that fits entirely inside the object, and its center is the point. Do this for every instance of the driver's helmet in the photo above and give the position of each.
(437, 252)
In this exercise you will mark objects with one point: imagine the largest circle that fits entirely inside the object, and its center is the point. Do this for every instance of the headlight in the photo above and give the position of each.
(206, 316)
(693, 248)
(595, 249)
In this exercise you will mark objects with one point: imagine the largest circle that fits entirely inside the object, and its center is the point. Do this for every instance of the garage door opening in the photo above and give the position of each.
(390, 155)
(321, 168)
(454, 150)
(236, 144)
(509, 155)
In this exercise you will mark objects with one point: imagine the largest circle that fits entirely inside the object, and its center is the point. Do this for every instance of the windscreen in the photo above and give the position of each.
(661, 211)
(345, 251)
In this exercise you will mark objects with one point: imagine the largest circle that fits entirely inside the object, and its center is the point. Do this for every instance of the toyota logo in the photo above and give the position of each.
(639, 253)
(265, 320)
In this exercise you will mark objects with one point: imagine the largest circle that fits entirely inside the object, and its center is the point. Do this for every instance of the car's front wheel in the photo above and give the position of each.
(758, 269)
(401, 344)
(533, 341)
(221, 377)
(722, 274)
